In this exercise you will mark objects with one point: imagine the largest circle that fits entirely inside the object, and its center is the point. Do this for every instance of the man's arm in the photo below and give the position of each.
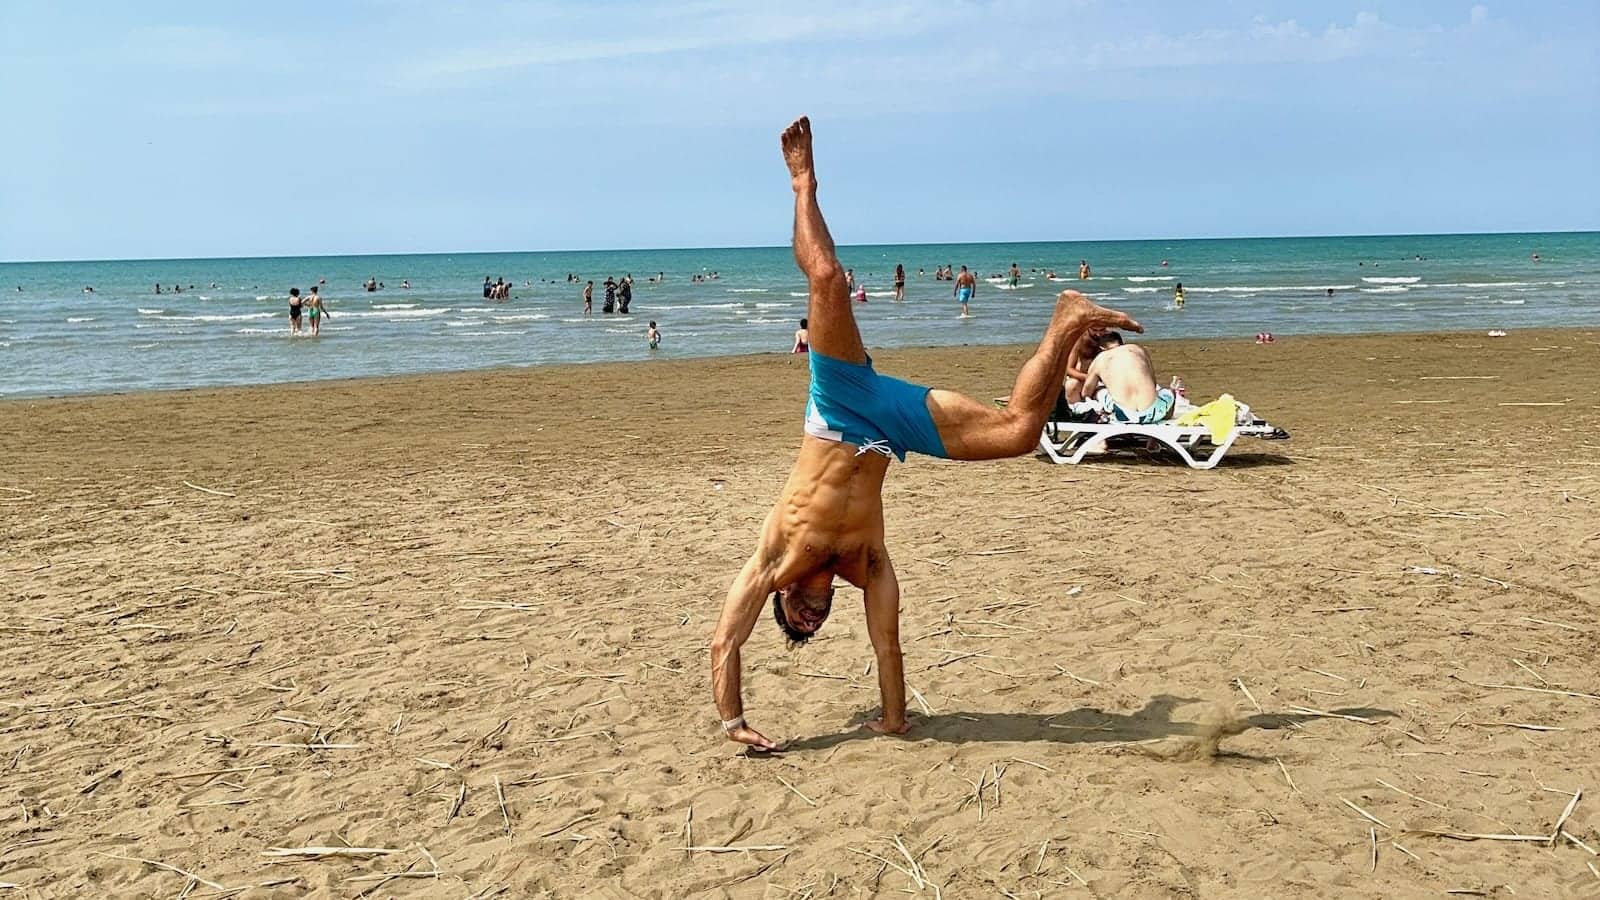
(739, 615)
(1091, 378)
(883, 628)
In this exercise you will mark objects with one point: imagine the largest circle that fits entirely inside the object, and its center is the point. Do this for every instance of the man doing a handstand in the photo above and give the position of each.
(829, 520)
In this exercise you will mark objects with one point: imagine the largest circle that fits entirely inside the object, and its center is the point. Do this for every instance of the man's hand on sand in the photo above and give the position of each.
(796, 141)
(744, 734)
(877, 725)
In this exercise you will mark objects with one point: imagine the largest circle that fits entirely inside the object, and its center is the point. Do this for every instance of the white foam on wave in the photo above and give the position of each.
(1511, 302)
(998, 287)
(265, 297)
(76, 319)
(1152, 278)
(1141, 290)
(220, 318)
(871, 294)
(1400, 279)
(798, 294)
(520, 318)
(394, 306)
(1495, 284)
(487, 333)
(1386, 289)
(787, 305)
(149, 312)
(480, 309)
(464, 323)
(747, 290)
(1263, 289)
(395, 314)
(278, 331)
(704, 306)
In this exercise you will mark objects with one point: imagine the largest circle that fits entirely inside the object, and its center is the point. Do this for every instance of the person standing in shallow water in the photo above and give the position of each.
(588, 300)
(899, 282)
(966, 286)
(315, 311)
(294, 311)
(653, 336)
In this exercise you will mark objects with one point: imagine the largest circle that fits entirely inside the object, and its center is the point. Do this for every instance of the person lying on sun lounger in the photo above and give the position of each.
(1123, 379)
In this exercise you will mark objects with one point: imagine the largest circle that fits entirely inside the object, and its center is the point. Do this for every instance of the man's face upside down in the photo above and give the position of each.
(802, 607)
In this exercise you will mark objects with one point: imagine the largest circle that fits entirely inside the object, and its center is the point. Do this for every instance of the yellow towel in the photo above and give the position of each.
(1217, 416)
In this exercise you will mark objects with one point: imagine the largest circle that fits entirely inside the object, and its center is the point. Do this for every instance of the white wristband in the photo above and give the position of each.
(728, 725)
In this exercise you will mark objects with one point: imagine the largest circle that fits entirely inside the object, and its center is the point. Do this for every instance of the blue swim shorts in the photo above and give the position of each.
(1157, 411)
(963, 295)
(853, 404)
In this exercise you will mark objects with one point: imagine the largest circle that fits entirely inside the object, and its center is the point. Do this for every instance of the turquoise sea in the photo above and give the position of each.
(232, 327)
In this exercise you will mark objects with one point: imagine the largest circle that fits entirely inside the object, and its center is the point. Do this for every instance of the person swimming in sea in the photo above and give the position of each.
(1177, 296)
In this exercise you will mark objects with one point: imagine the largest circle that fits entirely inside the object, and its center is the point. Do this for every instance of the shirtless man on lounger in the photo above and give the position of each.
(1123, 379)
(829, 520)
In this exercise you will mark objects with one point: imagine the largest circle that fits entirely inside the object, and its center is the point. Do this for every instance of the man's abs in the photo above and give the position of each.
(834, 493)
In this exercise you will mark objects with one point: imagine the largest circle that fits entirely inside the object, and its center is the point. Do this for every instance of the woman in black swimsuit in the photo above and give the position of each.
(899, 282)
(294, 310)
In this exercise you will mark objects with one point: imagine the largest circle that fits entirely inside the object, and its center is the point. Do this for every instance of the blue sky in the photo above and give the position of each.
(171, 129)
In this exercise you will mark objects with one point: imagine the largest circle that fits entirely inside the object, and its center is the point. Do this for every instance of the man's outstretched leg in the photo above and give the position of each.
(974, 430)
(833, 329)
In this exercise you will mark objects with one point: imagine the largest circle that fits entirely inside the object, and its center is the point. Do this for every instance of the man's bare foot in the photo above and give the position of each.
(796, 142)
(1076, 307)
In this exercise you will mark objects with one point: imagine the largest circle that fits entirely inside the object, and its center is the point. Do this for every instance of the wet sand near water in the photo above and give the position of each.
(462, 620)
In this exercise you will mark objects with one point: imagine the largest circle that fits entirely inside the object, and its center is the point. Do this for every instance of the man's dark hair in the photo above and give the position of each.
(1110, 339)
(795, 635)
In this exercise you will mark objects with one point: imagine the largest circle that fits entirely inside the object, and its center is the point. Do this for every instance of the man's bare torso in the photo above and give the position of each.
(830, 515)
(1129, 374)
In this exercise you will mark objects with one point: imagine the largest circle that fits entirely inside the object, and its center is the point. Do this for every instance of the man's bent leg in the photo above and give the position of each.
(833, 330)
(972, 430)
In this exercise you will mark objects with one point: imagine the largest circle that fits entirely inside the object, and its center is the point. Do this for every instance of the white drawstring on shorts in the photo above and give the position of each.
(875, 447)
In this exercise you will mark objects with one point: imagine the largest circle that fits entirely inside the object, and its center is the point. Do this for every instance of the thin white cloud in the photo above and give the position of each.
(681, 28)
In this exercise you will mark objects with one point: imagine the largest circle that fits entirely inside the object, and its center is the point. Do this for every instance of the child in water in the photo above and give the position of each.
(653, 336)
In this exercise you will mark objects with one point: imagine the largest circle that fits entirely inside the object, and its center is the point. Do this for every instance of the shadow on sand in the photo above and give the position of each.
(1086, 725)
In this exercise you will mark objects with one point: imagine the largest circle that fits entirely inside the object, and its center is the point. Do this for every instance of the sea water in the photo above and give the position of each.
(232, 326)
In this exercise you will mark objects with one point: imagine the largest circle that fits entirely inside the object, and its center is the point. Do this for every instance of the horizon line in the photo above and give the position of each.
(373, 254)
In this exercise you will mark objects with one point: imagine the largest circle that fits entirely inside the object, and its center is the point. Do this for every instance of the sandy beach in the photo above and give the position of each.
(460, 621)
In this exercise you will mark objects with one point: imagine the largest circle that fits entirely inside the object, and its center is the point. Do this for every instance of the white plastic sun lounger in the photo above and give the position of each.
(1070, 442)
